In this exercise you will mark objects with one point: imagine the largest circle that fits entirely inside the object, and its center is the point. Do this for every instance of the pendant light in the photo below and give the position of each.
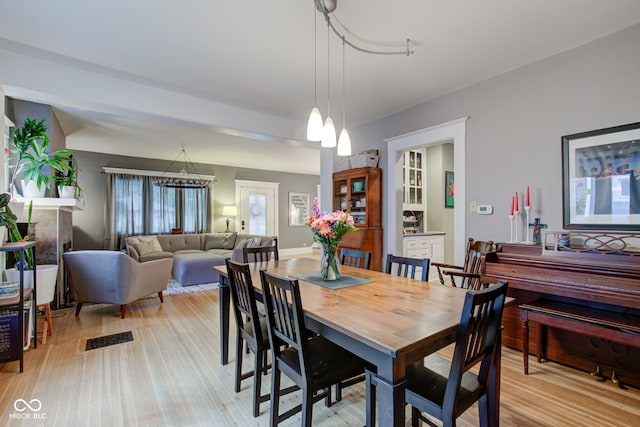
(314, 125)
(344, 142)
(329, 130)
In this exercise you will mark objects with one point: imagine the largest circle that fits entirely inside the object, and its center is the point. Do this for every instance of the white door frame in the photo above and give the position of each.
(450, 131)
(240, 183)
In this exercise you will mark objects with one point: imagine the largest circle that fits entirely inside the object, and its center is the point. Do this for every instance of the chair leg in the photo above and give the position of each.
(161, 297)
(78, 308)
(239, 355)
(415, 417)
(275, 395)
(257, 383)
(123, 310)
(307, 407)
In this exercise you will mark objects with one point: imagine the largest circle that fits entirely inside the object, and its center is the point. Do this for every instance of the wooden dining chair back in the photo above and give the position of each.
(355, 258)
(407, 267)
(467, 275)
(445, 389)
(260, 253)
(311, 362)
(252, 330)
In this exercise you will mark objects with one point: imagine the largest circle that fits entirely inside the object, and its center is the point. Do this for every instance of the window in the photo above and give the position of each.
(138, 206)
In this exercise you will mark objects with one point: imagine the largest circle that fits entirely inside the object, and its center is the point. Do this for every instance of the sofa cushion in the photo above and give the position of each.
(155, 255)
(145, 245)
(224, 253)
(219, 241)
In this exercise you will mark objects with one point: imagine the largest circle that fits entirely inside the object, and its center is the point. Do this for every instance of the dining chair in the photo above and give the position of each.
(467, 275)
(407, 266)
(251, 329)
(445, 389)
(310, 361)
(355, 258)
(260, 253)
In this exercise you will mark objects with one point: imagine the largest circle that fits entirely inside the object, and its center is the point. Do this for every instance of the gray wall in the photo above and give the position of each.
(516, 122)
(89, 223)
(439, 159)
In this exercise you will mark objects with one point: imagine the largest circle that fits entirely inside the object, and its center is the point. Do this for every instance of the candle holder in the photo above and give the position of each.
(516, 215)
(527, 241)
(511, 227)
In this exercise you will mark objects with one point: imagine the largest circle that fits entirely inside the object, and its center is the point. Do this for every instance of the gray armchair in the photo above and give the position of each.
(112, 277)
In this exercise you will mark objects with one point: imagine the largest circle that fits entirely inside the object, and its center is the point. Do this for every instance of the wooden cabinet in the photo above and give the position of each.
(425, 246)
(359, 191)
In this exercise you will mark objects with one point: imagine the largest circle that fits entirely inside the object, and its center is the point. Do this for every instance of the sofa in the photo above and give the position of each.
(194, 255)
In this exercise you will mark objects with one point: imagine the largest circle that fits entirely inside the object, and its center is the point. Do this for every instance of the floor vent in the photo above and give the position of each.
(107, 340)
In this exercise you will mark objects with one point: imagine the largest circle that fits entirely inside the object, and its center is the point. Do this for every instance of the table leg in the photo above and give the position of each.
(224, 301)
(390, 402)
(540, 333)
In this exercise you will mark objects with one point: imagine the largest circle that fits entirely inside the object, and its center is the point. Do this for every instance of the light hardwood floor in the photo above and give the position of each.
(170, 375)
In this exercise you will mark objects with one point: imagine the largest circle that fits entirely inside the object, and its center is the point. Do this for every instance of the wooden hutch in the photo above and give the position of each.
(359, 191)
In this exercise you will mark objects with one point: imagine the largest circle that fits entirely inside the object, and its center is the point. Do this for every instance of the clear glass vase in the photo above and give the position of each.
(330, 266)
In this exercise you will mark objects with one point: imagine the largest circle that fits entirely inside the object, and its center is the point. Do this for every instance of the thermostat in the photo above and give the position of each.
(485, 210)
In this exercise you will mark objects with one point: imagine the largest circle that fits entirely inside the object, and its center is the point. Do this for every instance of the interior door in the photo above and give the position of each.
(258, 207)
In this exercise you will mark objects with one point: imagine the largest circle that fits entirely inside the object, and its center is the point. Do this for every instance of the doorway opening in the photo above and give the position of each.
(454, 132)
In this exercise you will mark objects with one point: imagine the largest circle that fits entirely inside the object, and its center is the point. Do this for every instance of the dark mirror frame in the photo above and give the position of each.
(601, 179)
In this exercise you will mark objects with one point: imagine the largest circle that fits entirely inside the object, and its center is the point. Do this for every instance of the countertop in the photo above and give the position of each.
(426, 233)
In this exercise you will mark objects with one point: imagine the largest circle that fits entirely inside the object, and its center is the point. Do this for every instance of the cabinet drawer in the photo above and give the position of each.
(417, 243)
(419, 253)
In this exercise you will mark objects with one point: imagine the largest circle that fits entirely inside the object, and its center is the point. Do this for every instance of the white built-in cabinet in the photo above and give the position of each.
(425, 246)
(413, 171)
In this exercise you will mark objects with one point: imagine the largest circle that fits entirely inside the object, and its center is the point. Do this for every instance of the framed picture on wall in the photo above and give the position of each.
(298, 209)
(448, 189)
(601, 179)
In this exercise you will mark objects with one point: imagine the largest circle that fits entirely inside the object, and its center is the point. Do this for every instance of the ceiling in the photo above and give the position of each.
(254, 60)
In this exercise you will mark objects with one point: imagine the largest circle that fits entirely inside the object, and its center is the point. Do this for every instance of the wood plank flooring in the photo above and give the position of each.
(170, 375)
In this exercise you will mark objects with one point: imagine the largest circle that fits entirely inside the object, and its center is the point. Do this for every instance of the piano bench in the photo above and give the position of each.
(616, 327)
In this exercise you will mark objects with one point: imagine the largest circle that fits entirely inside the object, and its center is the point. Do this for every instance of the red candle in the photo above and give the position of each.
(527, 199)
(512, 203)
(517, 208)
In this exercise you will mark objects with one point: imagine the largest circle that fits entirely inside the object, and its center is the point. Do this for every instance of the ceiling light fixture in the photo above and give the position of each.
(327, 134)
(344, 142)
(184, 179)
(314, 125)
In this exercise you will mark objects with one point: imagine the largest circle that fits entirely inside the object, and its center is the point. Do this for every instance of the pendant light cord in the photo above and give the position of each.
(344, 109)
(315, 58)
(328, 71)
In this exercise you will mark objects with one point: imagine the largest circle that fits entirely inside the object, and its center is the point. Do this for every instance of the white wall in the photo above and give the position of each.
(516, 122)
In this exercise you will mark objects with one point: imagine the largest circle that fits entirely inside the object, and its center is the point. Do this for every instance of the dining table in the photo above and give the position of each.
(389, 321)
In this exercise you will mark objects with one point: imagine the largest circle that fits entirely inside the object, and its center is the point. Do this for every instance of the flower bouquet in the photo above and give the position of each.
(328, 230)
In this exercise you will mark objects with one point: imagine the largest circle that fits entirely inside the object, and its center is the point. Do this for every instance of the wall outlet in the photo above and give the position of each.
(473, 206)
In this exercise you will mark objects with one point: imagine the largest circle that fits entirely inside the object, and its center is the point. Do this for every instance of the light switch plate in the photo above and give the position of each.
(473, 206)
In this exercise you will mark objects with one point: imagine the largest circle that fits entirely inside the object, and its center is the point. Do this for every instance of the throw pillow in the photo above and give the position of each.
(230, 241)
(244, 243)
(214, 241)
(148, 246)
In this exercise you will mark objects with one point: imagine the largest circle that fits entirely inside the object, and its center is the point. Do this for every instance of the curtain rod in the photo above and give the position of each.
(159, 174)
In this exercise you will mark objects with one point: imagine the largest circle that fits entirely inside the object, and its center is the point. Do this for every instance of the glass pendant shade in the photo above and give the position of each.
(344, 143)
(314, 126)
(328, 134)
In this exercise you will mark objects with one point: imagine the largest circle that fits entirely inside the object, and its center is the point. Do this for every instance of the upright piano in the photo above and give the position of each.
(598, 272)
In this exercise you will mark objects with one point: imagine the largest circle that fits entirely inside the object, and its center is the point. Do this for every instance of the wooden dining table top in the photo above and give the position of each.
(395, 315)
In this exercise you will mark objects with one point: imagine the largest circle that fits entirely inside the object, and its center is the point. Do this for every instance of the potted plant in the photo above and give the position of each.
(7, 218)
(31, 144)
(68, 183)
